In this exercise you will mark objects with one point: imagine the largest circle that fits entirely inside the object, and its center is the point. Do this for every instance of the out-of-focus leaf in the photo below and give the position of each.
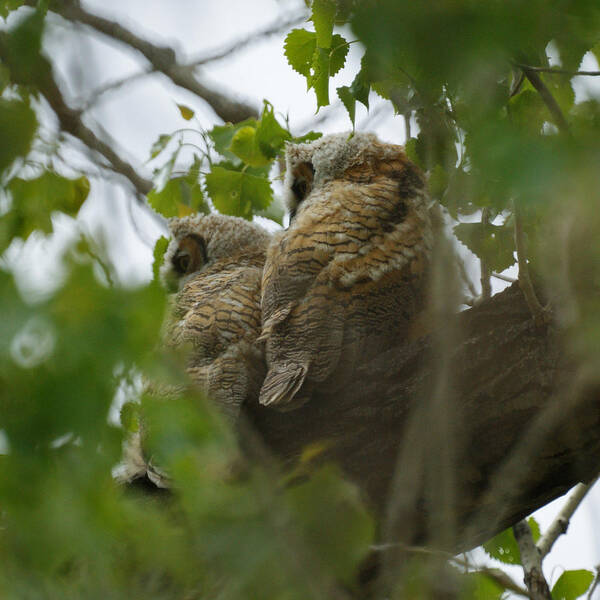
(476, 586)
(345, 95)
(323, 16)
(160, 144)
(186, 112)
(7, 6)
(528, 111)
(245, 147)
(158, 255)
(311, 136)
(238, 193)
(360, 86)
(438, 182)
(572, 584)
(333, 520)
(181, 196)
(222, 135)
(18, 125)
(492, 243)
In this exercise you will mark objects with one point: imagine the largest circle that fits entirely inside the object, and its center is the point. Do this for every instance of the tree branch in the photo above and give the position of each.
(559, 71)
(532, 562)
(548, 98)
(561, 522)
(162, 58)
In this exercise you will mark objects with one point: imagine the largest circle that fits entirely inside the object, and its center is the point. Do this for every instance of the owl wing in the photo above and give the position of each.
(218, 314)
(338, 246)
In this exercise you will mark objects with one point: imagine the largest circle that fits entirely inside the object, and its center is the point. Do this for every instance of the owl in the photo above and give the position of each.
(215, 262)
(347, 278)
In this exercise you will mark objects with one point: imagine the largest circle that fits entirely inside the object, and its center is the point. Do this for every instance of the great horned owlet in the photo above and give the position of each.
(216, 262)
(347, 278)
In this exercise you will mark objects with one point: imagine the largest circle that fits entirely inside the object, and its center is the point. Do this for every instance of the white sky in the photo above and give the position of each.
(137, 114)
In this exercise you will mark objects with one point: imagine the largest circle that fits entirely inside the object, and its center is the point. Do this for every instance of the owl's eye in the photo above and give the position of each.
(191, 255)
(300, 187)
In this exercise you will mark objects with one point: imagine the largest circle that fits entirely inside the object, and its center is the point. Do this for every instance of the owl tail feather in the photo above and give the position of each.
(282, 383)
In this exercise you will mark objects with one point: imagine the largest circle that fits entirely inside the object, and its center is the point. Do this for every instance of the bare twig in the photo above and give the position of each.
(559, 71)
(273, 29)
(503, 277)
(561, 522)
(162, 58)
(548, 98)
(595, 584)
(517, 84)
(540, 314)
(532, 562)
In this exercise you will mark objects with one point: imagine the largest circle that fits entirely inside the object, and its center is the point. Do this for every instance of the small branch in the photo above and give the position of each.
(162, 58)
(595, 584)
(561, 522)
(516, 85)
(540, 314)
(532, 562)
(548, 98)
(234, 48)
(559, 71)
(503, 277)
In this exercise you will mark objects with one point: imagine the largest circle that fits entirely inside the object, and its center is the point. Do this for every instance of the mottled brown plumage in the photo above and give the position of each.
(346, 280)
(218, 261)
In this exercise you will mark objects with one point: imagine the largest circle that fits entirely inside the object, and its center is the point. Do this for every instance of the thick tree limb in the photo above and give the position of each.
(526, 433)
(162, 58)
(532, 562)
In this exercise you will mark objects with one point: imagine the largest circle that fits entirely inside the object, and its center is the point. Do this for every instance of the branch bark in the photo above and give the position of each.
(532, 562)
(525, 433)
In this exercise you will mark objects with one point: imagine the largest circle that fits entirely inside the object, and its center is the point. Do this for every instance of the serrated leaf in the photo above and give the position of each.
(572, 584)
(186, 112)
(244, 146)
(335, 524)
(270, 135)
(299, 49)
(18, 125)
(360, 87)
(345, 95)
(158, 255)
(337, 55)
(181, 196)
(504, 547)
(323, 17)
(492, 243)
(311, 136)
(238, 193)
(320, 76)
(222, 135)
(160, 144)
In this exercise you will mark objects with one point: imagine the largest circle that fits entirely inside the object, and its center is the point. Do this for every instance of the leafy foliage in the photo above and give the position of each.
(504, 548)
(572, 584)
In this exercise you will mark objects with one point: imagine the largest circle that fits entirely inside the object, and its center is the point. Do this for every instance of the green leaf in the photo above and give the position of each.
(528, 111)
(222, 136)
(492, 243)
(320, 76)
(477, 586)
(238, 193)
(244, 146)
(159, 145)
(270, 135)
(337, 55)
(360, 87)
(18, 125)
(572, 584)
(186, 112)
(299, 49)
(311, 136)
(275, 211)
(7, 6)
(158, 255)
(323, 17)
(504, 547)
(181, 196)
(334, 522)
(437, 182)
(34, 201)
(345, 95)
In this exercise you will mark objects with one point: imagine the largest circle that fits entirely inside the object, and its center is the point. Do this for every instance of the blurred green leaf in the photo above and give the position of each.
(245, 147)
(360, 86)
(528, 111)
(222, 135)
(158, 255)
(270, 135)
(333, 520)
(7, 6)
(186, 112)
(18, 125)
(238, 193)
(572, 584)
(492, 243)
(160, 144)
(477, 586)
(323, 16)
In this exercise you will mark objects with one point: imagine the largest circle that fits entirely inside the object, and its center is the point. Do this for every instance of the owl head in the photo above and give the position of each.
(199, 241)
(310, 165)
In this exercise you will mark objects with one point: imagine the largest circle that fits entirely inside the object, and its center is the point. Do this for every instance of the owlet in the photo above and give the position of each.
(347, 278)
